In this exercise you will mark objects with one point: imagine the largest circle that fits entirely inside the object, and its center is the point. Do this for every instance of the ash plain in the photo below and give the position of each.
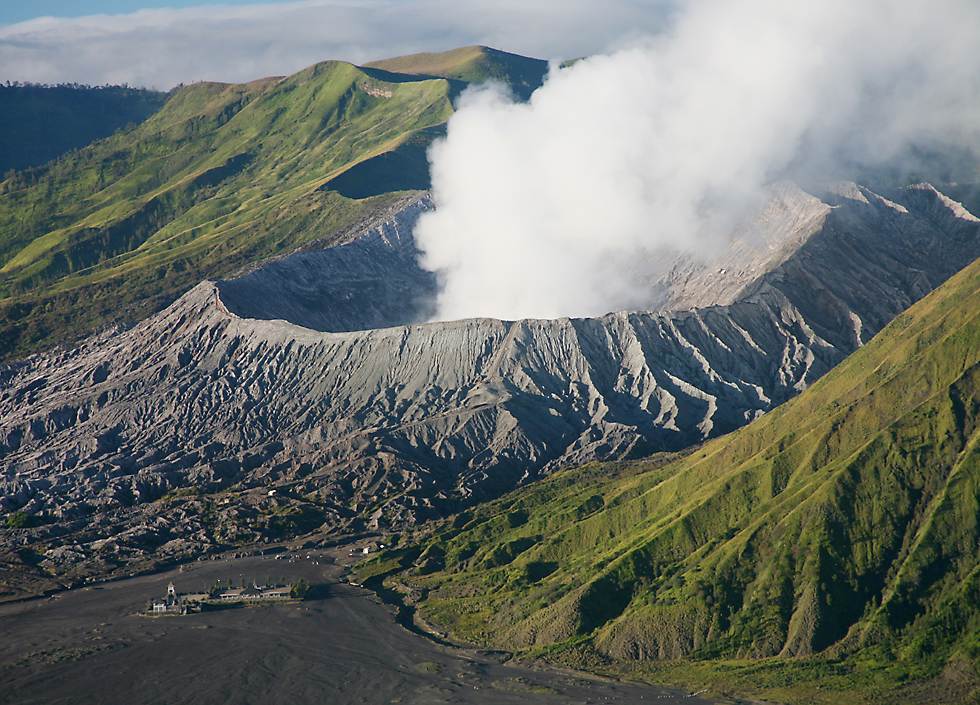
(90, 645)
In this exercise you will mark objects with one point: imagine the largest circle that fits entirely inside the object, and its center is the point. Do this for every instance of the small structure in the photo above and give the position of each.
(176, 603)
(254, 593)
(365, 550)
(173, 603)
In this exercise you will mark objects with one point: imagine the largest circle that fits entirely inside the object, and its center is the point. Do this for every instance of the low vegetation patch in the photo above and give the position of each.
(829, 552)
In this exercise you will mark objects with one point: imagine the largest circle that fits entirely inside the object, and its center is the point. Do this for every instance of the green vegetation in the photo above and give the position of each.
(39, 123)
(20, 520)
(370, 572)
(221, 177)
(290, 520)
(299, 589)
(474, 64)
(828, 552)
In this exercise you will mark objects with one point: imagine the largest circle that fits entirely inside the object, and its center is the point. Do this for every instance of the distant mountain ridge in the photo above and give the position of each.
(473, 64)
(39, 123)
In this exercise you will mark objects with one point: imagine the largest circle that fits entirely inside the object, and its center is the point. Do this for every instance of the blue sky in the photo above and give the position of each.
(20, 10)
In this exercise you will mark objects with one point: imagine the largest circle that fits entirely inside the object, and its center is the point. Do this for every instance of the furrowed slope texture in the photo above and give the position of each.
(221, 177)
(372, 282)
(220, 393)
(39, 123)
(844, 524)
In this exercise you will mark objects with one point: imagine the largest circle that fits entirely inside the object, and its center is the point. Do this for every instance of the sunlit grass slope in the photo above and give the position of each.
(828, 552)
(473, 64)
(222, 176)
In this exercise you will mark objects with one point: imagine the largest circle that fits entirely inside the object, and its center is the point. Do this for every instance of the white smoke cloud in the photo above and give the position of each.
(560, 206)
(162, 47)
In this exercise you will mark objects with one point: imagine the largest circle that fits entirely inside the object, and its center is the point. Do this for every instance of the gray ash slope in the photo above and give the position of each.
(382, 427)
(372, 281)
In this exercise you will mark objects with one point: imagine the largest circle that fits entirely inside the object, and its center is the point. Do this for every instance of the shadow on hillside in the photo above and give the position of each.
(405, 168)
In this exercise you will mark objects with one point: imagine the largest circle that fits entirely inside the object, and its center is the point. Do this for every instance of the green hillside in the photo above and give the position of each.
(474, 64)
(39, 123)
(826, 553)
(222, 176)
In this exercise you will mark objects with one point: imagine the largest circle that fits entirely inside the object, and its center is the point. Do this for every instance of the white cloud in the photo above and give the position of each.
(558, 207)
(160, 48)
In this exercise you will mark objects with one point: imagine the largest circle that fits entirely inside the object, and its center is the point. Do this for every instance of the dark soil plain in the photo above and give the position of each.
(90, 645)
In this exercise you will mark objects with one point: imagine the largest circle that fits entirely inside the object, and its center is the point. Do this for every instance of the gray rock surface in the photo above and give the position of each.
(166, 436)
(373, 281)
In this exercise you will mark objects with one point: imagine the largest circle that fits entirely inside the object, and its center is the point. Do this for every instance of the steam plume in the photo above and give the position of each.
(560, 206)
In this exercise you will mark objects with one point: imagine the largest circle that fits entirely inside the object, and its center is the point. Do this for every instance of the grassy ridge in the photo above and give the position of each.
(828, 552)
(473, 64)
(221, 177)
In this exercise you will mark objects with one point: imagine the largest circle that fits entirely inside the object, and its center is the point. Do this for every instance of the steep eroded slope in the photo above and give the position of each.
(134, 435)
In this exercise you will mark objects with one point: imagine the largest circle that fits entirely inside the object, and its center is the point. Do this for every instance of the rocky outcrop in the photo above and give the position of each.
(223, 394)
